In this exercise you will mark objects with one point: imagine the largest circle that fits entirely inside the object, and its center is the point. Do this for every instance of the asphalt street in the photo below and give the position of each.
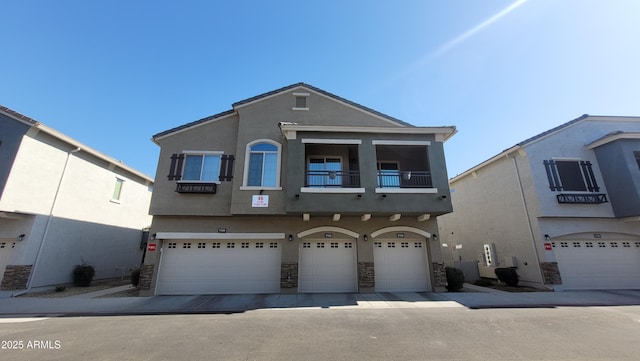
(554, 333)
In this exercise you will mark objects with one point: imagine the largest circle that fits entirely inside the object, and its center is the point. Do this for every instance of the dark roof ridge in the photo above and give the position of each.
(277, 91)
(552, 130)
(18, 115)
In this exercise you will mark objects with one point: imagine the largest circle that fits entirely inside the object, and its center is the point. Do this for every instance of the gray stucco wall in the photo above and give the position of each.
(11, 133)
(621, 175)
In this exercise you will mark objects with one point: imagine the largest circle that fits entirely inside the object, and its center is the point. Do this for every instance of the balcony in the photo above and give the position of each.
(332, 179)
(404, 179)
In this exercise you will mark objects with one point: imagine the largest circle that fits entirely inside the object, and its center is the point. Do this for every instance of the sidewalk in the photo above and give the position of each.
(88, 305)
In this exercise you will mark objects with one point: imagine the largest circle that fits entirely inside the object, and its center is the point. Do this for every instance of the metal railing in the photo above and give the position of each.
(404, 179)
(332, 179)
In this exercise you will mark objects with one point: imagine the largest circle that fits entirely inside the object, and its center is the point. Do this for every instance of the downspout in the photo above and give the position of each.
(526, 211)
(46, 228)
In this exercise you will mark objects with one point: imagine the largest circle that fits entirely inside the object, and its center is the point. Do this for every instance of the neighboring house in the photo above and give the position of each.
(297, 190)
(62, 204)
(563, 207)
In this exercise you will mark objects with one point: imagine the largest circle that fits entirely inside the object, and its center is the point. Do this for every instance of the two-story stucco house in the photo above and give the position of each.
(563, 207)
(297, 191)
(63, 203)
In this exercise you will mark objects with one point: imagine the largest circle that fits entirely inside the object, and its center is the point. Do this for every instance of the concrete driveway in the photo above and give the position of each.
(88, 304)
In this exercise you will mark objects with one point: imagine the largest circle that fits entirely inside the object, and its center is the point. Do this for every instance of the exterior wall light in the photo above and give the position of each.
(365, 238)
(290, 238)
(20, 237)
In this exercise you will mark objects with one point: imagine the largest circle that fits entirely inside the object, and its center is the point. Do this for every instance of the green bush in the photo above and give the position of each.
(135, 277)
(83, 275)
(60, 288)
(455, 279)
(509, 276)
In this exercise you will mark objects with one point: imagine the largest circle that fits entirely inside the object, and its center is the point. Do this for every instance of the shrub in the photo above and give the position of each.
(455, 279)
(83, 275)
(135, 277)
(508, 276)
(60, 288)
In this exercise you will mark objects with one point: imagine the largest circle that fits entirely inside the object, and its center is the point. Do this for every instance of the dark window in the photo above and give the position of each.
(637, 154)
(301, 102)
(571, 176)
(574, 176)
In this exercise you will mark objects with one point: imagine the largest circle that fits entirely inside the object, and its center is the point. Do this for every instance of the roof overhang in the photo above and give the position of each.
(612, 137)
(442, 134)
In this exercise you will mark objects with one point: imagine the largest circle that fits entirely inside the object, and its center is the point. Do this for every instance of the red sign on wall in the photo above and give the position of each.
(151, 247)
(547, 246)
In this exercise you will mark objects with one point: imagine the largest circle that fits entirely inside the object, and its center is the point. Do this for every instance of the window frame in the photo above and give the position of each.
(324, 158)
(202, 153)
(585, 167)
(379, 169)
(120, 182)
(247, 157)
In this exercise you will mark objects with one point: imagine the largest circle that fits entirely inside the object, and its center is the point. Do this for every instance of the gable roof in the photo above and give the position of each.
(533, 139)
(263, 96)
(74, 143)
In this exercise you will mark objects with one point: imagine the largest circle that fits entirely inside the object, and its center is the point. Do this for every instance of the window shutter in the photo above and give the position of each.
(587, 170)
(175, 167)
(226, 168)
(552, 175)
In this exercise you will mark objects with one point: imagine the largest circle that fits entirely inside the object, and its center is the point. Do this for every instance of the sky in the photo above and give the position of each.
(111, 74)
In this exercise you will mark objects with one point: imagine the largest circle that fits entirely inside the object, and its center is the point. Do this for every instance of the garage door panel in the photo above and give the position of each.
(401, 266)
(598, 264)
(220, 268)
(327, 267)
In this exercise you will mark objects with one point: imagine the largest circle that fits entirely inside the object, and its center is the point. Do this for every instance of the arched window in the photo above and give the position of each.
(262, 164)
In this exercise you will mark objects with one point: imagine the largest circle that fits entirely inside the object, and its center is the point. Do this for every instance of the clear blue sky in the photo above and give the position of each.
(113, 73)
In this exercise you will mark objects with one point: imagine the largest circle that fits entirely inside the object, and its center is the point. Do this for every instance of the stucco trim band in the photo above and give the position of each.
(189, 235)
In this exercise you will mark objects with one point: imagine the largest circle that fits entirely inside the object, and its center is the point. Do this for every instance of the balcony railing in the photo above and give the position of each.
(581, 198)
(404, 179)
(332, 179)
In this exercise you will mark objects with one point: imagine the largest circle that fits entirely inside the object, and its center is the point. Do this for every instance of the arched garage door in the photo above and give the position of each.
(604, 264)
(401, 266)
(219, 267)
(327, 266)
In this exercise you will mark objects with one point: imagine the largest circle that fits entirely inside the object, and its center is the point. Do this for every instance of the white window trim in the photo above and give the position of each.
(200, 152)
(204, 152)
(400, 142)
(247, 155)
(330, 141)
(331, 190)
(407, 190)
(113, 200)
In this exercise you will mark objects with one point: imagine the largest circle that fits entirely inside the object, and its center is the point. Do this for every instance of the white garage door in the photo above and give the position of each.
(219, 267)
(327, 267)
(6, 247)
(598, 264)
(401, 266)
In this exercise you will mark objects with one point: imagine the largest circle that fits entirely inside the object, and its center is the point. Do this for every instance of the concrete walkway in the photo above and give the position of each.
(88, 304)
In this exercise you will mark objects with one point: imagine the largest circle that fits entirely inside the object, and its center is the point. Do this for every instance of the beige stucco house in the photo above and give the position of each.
(63, 203)
(295, 191)
(563, 207)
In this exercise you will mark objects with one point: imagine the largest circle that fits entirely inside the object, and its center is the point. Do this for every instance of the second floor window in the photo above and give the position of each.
(571, 175)
(263, 165)
(201, 167)
(324, 171)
